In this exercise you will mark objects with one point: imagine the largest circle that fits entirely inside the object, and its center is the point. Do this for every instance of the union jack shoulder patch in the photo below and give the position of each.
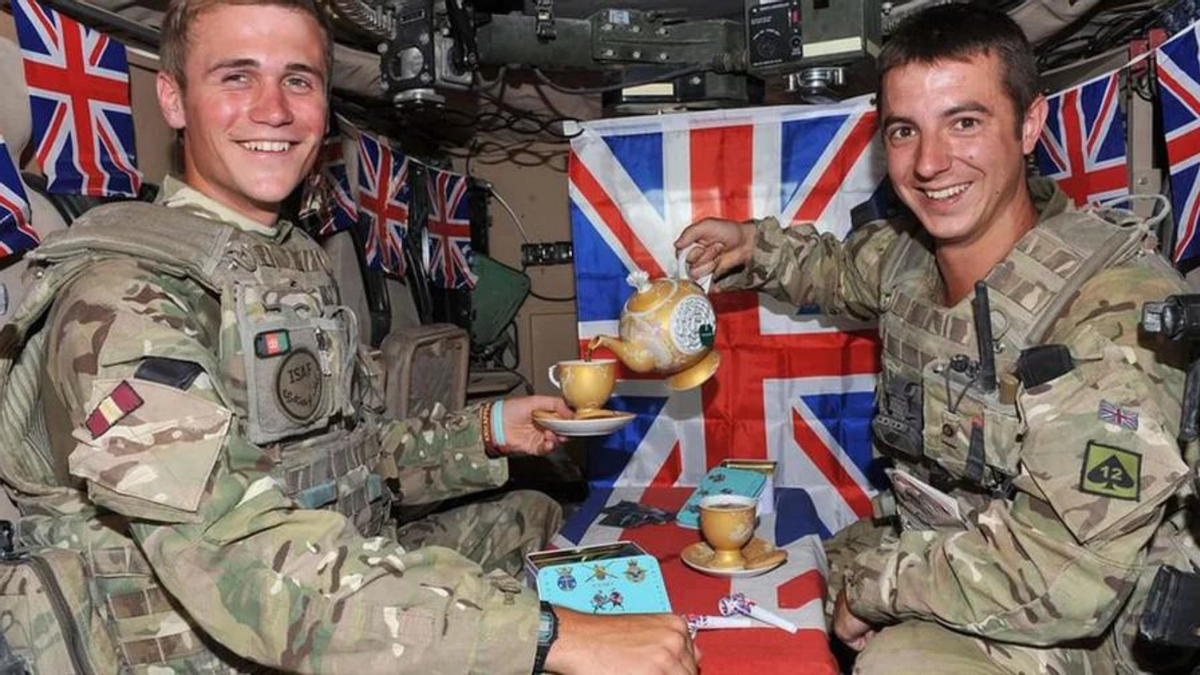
(1121, 417)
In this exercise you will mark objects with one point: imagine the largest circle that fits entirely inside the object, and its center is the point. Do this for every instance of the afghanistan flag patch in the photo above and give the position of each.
(1109, 471)
(112, 409)
(272, 343)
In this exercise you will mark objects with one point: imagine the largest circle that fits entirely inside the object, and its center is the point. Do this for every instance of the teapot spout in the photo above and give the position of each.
(633, 357)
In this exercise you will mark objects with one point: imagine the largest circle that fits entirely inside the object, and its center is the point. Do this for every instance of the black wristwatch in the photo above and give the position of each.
(546, 635)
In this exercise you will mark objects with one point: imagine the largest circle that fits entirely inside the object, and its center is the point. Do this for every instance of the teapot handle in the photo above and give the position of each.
(682, 269)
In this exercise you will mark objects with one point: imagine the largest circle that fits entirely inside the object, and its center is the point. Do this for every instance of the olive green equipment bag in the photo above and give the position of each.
(48, 624)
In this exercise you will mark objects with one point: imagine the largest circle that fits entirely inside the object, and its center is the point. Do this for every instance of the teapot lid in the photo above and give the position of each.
(648, 294)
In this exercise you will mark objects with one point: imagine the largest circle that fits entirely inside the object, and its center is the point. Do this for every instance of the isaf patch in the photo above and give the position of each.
(298, 385)
(112, 409)
(1109, 471)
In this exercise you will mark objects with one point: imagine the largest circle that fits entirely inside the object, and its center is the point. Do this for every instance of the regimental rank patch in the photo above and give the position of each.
(1109, 471)
(272, 343)
(1121, 417)
(112, 409)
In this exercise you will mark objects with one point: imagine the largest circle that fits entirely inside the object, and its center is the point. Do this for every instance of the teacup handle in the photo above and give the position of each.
(682, 268)
(553, 375)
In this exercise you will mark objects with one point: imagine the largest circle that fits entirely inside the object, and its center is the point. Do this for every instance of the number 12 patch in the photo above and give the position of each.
(1109, 471)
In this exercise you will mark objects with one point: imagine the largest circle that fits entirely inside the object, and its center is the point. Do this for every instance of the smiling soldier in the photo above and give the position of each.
(212, 455)
(1033, 515)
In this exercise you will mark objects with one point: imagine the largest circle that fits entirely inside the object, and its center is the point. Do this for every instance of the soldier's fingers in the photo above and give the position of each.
(706, 254)
(691, 661)
(702, 270)
(690, 235)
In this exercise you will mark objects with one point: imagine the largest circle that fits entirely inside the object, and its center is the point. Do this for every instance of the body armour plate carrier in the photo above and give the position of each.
(932, 411)
(285, 366)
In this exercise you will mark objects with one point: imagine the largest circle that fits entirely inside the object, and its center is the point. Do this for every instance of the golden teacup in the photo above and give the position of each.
(586, 385)
(727, 523)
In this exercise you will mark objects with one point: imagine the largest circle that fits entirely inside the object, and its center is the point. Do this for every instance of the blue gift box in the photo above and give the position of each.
(617, 578)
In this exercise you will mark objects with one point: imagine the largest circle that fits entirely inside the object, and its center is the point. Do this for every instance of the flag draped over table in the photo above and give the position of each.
(384, 196)
(16, 234)
(448, 239)
(1083, 143)
(793, 385)
(78, 82)
(795, 590)
(1179, 97)
(338, 211)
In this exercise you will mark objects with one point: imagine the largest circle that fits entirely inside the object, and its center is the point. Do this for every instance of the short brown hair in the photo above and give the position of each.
(181, 14)
(960, 32)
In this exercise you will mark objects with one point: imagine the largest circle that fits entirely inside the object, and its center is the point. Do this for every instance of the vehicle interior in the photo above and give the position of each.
(494, 89)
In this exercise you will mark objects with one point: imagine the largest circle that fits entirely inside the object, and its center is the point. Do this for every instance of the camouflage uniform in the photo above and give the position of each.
(1062, 486)
(216, 458)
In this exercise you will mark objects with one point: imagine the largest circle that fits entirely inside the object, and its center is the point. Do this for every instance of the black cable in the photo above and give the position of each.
(617, 87)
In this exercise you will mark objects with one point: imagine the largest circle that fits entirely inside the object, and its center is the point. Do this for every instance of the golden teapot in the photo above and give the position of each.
(668, 326)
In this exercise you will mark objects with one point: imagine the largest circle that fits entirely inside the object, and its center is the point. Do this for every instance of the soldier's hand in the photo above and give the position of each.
(630, 644)
(521, 435)
(720, 245)
(850, 629)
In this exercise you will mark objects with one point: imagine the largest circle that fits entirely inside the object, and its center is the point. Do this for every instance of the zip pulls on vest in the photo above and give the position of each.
(323, 350)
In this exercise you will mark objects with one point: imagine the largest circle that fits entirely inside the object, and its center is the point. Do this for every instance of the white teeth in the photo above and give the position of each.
(266, 146)
(946, 193)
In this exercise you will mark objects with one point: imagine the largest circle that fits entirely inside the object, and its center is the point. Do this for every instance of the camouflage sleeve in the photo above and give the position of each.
(1099, 460)
(440, 455)
(798, 265)
(293, 589)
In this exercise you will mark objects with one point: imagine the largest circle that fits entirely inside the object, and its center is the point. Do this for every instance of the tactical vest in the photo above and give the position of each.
(933, 415)
(285, 366)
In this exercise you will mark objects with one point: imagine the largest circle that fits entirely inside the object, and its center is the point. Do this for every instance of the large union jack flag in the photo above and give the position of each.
(336, 210)
(79, 94)
(1083, 143)
(1178, 62)
(16, 233)
(794, 386)
(383, 198)
(448, 242)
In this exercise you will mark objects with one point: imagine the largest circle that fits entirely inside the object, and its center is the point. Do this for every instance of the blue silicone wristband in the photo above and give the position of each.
(498, 424)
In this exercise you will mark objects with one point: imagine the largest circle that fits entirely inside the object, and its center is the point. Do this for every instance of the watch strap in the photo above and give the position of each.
(546, 635)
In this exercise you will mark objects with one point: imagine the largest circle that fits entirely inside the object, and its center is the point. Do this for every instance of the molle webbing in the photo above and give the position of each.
(189, 245)
(1030, 289)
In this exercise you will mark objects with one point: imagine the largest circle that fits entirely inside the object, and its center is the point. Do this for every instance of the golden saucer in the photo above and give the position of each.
(761, 557)
(598, 422)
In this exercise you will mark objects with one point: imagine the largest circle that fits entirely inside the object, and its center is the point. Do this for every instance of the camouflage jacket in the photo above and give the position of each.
(153, 428)
(1056, 557)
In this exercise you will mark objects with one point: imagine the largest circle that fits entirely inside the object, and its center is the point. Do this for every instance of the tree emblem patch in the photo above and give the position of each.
(1109, 471)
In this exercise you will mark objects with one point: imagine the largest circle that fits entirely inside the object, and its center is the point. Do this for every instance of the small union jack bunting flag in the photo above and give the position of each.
(384, 196)
(448, 242)
(334, 202)
(79, 96)
(1083, 143)
(16, 233)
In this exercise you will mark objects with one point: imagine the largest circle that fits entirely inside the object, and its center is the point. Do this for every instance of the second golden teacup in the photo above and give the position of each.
(586, 385)
(727, 523)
